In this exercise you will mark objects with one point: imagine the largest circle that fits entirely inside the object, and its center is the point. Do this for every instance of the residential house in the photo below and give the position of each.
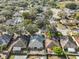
(69, 22)
(40, 16)
(21, 43)
(36, 42)
(17, 18)
(55, 12)
(68, 44)
(14, 21)
(63, 29)
(49, 44)
(17, 14)
(52, 21)
(5, 39)
(10, 22)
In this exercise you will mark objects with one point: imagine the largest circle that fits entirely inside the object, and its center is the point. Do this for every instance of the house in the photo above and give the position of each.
(67, 42)
(62, 29)
(14, 21)
(5, 39)
(17, 14)
(36, 42)
(21, 43)
(52, 21)
(10, 22)
(55, 12)
(40, 16)
(69, 22)
(49, 44)
(17, 19)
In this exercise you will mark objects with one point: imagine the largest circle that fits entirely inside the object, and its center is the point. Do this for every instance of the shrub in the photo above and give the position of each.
(71, 6)
(77, 15)
(57, 50)
(32, 28)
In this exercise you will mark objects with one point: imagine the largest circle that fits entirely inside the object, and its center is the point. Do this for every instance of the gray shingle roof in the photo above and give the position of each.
(37, 37)
(35, 44)
(36, 41)
(22, 41)
(4, 39)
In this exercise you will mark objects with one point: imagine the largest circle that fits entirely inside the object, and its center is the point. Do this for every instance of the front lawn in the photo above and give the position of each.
(12, 57)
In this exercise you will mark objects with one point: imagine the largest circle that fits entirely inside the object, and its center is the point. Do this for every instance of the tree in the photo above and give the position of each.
(58, 34)
(42, 23)
(71, 6)
(10, 8)
(2, 19)
(29, 15)
(76, 16)
(52, 3)
(7, 13)
(23, 4)
(31, 28)
(39, 9)
(26, 22)
(2, 27)
(49, 34)
(62, 14)
(58, 50)
(25, 15)
(1, 48)
(48, 14)
(11, 29)
(33, 11)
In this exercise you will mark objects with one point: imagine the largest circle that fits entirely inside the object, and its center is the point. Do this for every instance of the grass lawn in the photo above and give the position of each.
(12, 57)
